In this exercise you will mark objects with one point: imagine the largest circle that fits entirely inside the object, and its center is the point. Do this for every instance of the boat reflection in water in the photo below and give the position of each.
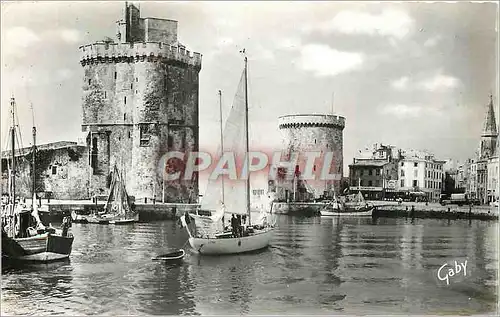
(313, 266)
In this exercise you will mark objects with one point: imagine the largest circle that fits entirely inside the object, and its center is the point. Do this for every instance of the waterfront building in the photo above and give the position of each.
(61, 173)
(421, 172)
(493, 176)
(305, 133)
(471, 186)
(375, 173)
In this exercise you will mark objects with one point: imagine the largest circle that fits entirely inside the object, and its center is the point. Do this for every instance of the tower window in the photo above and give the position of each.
(89, 81)
(124, 116)
(314, 141)
(116, 75)
(170, 142)
(125, 100)
(137, 79)
(131, 86)
(93, 156)
(54, 169)
(129, 134)
(144, 135)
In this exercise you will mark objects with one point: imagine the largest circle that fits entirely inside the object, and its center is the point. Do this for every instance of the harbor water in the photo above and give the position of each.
(314, 266)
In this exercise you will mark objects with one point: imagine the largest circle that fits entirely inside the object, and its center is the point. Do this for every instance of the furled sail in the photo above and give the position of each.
(118, 201)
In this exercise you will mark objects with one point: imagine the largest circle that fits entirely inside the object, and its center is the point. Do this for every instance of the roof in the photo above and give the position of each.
(490, 125)
(377, 163)
(46, 146)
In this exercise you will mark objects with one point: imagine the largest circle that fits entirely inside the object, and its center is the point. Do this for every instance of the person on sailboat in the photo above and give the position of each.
(234, 226)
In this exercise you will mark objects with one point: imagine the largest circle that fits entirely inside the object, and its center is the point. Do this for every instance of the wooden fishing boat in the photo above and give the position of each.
(171, 256)
(209, 236)
(24, 236)
(348, 207)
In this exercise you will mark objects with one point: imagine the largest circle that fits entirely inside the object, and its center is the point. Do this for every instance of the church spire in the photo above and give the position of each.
(490, 125)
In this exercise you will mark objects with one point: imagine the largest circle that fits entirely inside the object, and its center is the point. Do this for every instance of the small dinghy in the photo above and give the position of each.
(171, 256)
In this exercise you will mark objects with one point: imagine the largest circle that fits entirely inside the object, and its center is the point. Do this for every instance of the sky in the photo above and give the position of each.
(413, 75)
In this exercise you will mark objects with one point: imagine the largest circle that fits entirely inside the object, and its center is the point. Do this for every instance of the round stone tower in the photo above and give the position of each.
(322, 133)
(140, 100)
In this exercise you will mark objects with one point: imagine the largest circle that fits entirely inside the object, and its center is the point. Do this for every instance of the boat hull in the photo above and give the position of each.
(124, 221)
(361, 213)
(214, 246)
(40, 248)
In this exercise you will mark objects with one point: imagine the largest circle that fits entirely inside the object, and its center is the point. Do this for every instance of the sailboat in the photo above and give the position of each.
(210, 236)
(351, 205)
(24, 236)
(118, 209)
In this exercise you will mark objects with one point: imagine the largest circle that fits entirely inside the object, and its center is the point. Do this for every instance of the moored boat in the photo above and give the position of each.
(210, 235)
(24, 236)
(348, 207)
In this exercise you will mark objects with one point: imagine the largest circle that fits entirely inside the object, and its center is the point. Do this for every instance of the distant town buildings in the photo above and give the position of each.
(390, 173)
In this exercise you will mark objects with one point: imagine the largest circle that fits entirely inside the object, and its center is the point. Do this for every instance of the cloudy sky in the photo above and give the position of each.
(414, 75)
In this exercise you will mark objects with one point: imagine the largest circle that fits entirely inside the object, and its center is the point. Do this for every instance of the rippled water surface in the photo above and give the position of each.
(314, 266)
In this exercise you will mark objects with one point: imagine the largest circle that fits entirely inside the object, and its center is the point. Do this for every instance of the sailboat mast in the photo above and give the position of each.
(13, 148)
(221, 138)
(247, 142)
(33, 161)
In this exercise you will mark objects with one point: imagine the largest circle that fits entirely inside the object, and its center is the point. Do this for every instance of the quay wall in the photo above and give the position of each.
(147, 212)
(435, 211)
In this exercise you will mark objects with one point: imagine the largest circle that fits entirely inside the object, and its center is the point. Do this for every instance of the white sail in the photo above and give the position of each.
(234, 140)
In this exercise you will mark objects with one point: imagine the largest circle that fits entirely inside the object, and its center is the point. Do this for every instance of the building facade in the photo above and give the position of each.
(375, 176)
(140, 101)
(61, 171)
(302, 134)
(420, 172)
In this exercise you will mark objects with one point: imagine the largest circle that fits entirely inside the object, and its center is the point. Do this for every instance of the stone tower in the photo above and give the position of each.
(489, 135)
(304, 133)
(140, 100)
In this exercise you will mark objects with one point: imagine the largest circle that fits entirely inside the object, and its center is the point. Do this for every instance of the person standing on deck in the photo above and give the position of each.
(234, 226)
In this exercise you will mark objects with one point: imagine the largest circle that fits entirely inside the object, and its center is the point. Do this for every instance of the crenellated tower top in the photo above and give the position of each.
(311, 120)
(140, 39)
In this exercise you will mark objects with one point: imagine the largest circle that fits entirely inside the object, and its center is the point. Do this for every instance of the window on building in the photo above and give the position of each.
(361, 172)
(125, 100)
(426, 184)
(402, 183)
(415, 164)
(116, 75)
(89, 81)
(370, 183)
(93, 156)
(402, 163)
(170, 142)
(314, 141)
(314, 168)
(415, 183)
(144, 135)
(131, 86)
(124, 116)
(129, 134)
(105, 94)
(137, 79)
(402, 173)
(370, 172)
(377, 172)
(54, 169)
